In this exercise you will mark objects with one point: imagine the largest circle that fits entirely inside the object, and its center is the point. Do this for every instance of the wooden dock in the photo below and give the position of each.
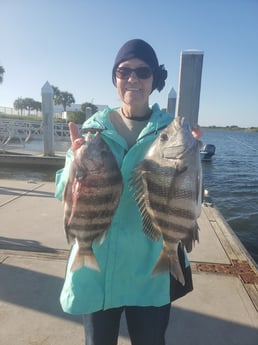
(227, 255)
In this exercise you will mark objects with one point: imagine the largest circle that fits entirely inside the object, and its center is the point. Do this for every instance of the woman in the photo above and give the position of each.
(127, 256)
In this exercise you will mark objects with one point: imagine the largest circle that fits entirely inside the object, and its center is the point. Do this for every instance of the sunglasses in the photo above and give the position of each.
(143, 72)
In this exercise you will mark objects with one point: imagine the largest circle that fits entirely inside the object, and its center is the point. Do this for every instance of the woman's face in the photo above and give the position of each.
(134, 90)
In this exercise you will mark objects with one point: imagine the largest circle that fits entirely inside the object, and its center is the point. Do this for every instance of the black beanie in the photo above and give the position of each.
(140, 49)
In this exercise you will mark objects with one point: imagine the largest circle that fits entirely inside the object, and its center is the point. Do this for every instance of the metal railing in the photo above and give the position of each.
(23, 131)
(25, 112)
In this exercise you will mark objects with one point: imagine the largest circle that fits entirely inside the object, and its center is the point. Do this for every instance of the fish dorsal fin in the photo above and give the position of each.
(140, 190)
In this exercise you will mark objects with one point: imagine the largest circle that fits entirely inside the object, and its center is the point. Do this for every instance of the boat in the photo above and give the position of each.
(207, 151)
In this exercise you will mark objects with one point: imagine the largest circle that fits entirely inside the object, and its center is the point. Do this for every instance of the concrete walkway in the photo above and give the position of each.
(33, 251)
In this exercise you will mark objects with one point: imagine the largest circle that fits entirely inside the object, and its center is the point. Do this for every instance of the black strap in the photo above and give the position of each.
(177, 290)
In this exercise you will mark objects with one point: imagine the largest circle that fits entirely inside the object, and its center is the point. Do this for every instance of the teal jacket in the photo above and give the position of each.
(127, 256)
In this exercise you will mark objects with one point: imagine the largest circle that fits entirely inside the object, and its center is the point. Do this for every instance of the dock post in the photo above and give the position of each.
(189, 85)
(171, 108)
(47, 94)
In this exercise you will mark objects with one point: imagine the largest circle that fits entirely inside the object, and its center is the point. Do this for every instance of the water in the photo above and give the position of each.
(27, 173)
(36, 147)
(231, 178)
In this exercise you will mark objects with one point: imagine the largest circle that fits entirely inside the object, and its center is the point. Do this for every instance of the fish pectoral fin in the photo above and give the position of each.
(83, 260)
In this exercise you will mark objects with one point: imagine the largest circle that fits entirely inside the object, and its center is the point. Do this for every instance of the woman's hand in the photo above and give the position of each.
(196, 132)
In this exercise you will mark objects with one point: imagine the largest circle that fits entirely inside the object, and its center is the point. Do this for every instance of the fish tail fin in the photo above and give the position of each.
(169, 263)
(162, 264)
(176, 271)
(83, 260)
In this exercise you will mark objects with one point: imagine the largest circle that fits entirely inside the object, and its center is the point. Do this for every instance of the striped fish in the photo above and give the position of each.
(91, 195)
(168, 190)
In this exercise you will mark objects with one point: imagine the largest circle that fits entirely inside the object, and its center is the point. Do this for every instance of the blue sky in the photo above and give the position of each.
(73, 43)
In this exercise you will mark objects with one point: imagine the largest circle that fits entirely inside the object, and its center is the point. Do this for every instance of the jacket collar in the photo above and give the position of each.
(101, 122)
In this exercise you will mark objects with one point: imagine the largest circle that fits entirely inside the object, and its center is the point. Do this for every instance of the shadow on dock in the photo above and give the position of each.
(39, 291)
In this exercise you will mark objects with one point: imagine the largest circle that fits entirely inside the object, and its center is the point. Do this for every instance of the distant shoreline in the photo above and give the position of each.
(231, 128)
(37, 118)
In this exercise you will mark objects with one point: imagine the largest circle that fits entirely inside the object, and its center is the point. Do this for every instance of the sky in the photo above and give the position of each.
(72, 44)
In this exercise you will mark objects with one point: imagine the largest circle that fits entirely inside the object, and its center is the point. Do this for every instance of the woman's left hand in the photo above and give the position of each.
(196, 132)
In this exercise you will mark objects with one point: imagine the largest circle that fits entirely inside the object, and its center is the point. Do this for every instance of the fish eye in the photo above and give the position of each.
(163, 137)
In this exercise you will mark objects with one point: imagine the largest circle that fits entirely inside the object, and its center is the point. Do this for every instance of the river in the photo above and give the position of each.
(231, 178)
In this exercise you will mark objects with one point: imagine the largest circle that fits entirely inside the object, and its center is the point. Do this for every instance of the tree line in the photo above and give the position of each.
(1, 74)
(28, 104)
(64, 98)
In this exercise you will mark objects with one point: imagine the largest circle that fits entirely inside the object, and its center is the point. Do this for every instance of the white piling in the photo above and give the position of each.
(48, 121)
(189, 85)
(171, 107)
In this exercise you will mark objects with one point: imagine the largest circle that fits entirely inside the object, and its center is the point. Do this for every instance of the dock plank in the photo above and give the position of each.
(208, 239)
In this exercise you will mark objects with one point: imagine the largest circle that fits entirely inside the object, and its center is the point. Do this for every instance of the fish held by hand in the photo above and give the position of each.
(91, 195)
(168, 190)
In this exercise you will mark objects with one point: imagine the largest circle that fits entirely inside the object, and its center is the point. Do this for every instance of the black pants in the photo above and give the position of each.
(146, 325)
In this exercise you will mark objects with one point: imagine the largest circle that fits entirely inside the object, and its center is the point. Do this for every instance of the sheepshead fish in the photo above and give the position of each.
(91, 195)
(168, 190)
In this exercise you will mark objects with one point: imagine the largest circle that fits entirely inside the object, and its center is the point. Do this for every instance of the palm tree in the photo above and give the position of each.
(1, 74)
(19, 104)
(65, 98)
